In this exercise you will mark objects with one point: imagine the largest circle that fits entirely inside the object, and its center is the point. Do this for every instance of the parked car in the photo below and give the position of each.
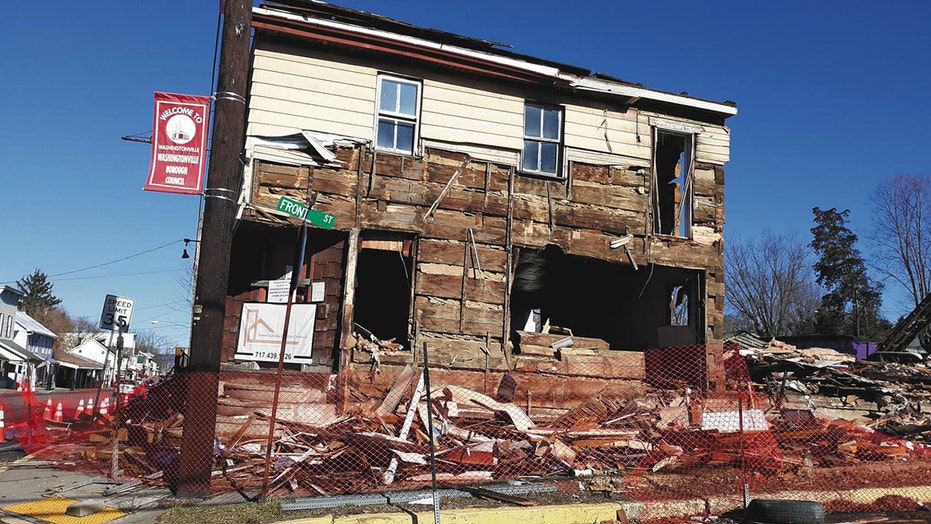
(127, 386)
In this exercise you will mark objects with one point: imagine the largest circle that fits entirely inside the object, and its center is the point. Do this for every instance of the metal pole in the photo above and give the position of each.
(295, 277)
(426, 381)
(114, 459)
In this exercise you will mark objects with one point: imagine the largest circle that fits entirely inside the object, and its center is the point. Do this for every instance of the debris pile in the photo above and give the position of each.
(781, 426)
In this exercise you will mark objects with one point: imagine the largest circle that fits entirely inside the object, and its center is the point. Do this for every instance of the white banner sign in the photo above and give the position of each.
(261, 327)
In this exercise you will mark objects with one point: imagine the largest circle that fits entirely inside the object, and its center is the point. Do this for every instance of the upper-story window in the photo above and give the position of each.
(672, 196)
(398, 111)
(542, 139)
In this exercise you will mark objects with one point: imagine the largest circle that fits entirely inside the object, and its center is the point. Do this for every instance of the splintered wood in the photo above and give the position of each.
(528, 423)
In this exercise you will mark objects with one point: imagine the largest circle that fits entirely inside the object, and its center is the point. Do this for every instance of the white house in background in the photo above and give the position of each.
(94, 346)
(30, 334)
(17, 364)
(93, 350)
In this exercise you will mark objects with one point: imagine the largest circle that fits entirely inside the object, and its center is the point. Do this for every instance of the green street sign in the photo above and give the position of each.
(299, 210)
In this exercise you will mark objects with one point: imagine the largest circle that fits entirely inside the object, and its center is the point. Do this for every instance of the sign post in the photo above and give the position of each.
(116, 316)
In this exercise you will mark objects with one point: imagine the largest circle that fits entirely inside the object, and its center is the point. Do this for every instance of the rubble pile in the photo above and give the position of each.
(889, 397)
(785, 416)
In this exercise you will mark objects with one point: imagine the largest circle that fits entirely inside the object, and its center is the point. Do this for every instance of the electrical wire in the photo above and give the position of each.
(95, 266)
(117, 260)
(122, 275)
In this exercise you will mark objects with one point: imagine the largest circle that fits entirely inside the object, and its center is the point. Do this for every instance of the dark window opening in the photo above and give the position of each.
(383, 289)
(672, 195)
(655, 306)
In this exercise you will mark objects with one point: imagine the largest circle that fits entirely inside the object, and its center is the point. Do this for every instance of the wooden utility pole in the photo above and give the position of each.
(200, 379)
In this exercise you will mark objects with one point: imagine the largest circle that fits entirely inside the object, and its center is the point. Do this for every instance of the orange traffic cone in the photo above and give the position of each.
(90, 407)
(80, 411)
(105, 406)
(59, 416)
(47, 414)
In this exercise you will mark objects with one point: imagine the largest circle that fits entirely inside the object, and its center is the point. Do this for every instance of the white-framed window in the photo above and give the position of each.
(397, 121)
(542, 139)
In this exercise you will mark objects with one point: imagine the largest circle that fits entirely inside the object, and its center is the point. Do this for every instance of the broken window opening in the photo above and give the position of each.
(672, 195)
(679, 306)
(629, 309)
(383, 287)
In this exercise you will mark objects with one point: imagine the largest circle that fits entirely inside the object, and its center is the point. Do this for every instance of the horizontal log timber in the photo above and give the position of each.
(550, 392)
(282, 176)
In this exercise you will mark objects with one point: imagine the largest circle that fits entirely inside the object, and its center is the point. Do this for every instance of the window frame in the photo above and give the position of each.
(684, 203)
(559, 172)
(396, 116)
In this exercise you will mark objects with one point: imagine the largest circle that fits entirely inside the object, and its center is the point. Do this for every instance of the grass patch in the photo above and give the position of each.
(245, 513)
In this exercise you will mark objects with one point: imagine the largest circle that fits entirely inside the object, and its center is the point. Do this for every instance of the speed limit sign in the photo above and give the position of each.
(117, 312)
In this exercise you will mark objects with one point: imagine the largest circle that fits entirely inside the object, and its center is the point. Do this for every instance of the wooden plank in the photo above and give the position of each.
(443, 286)
(546, 339)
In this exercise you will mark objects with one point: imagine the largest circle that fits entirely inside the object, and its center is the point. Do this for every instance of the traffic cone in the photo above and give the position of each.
(80, 411)
(105, 406)
(90, 407)
(47, 414)
(59, 416)
(2, 426)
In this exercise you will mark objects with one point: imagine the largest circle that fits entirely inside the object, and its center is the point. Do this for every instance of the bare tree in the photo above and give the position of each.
(769, 285)
(901, 239)
(160, 346)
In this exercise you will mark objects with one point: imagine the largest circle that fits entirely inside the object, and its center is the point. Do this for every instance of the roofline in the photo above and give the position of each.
(529, 71)
(11, 289)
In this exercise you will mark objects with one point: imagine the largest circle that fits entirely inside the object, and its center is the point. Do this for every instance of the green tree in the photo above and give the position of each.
(852, 301)
(38, 297)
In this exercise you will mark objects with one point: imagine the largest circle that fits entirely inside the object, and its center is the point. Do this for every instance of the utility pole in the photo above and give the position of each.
(200, 380)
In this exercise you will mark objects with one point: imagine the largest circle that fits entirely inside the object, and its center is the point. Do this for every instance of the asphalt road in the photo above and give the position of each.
(16, 408)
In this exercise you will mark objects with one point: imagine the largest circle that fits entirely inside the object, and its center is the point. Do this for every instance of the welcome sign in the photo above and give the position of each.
(179, 143)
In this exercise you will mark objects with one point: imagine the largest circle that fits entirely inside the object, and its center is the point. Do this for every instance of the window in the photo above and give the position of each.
(398, 107)
(672, 196)
(542, 139)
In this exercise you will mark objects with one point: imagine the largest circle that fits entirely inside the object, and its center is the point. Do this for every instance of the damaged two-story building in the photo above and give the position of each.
(470, 194)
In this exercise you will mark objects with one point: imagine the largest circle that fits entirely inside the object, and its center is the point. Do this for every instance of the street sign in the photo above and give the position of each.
(117, 312)
(299, 210)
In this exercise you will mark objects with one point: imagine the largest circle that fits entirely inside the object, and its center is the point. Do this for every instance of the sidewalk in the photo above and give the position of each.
(43, 391)
(34, 489)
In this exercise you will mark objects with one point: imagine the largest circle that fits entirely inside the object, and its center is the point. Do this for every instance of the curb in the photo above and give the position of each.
(614, 511)
(561, 514)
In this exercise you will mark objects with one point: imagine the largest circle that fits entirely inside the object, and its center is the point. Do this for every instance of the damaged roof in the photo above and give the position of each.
(340, 26)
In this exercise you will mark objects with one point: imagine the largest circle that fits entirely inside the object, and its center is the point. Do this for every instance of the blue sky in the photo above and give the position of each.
(833, 97)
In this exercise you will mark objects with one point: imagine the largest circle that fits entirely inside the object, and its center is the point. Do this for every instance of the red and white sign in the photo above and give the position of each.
(179, 143)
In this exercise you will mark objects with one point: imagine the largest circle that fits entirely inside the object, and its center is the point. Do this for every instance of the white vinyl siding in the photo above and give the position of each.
(460, 114)
(293, 92)
(605, 132)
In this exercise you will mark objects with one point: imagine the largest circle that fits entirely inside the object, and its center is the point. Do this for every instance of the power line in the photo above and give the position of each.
(117, 260)
(122, 275)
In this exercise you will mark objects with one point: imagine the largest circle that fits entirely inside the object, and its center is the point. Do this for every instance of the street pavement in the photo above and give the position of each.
(32, 489)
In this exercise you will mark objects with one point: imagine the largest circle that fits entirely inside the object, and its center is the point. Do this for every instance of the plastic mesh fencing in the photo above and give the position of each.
(665, 424)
